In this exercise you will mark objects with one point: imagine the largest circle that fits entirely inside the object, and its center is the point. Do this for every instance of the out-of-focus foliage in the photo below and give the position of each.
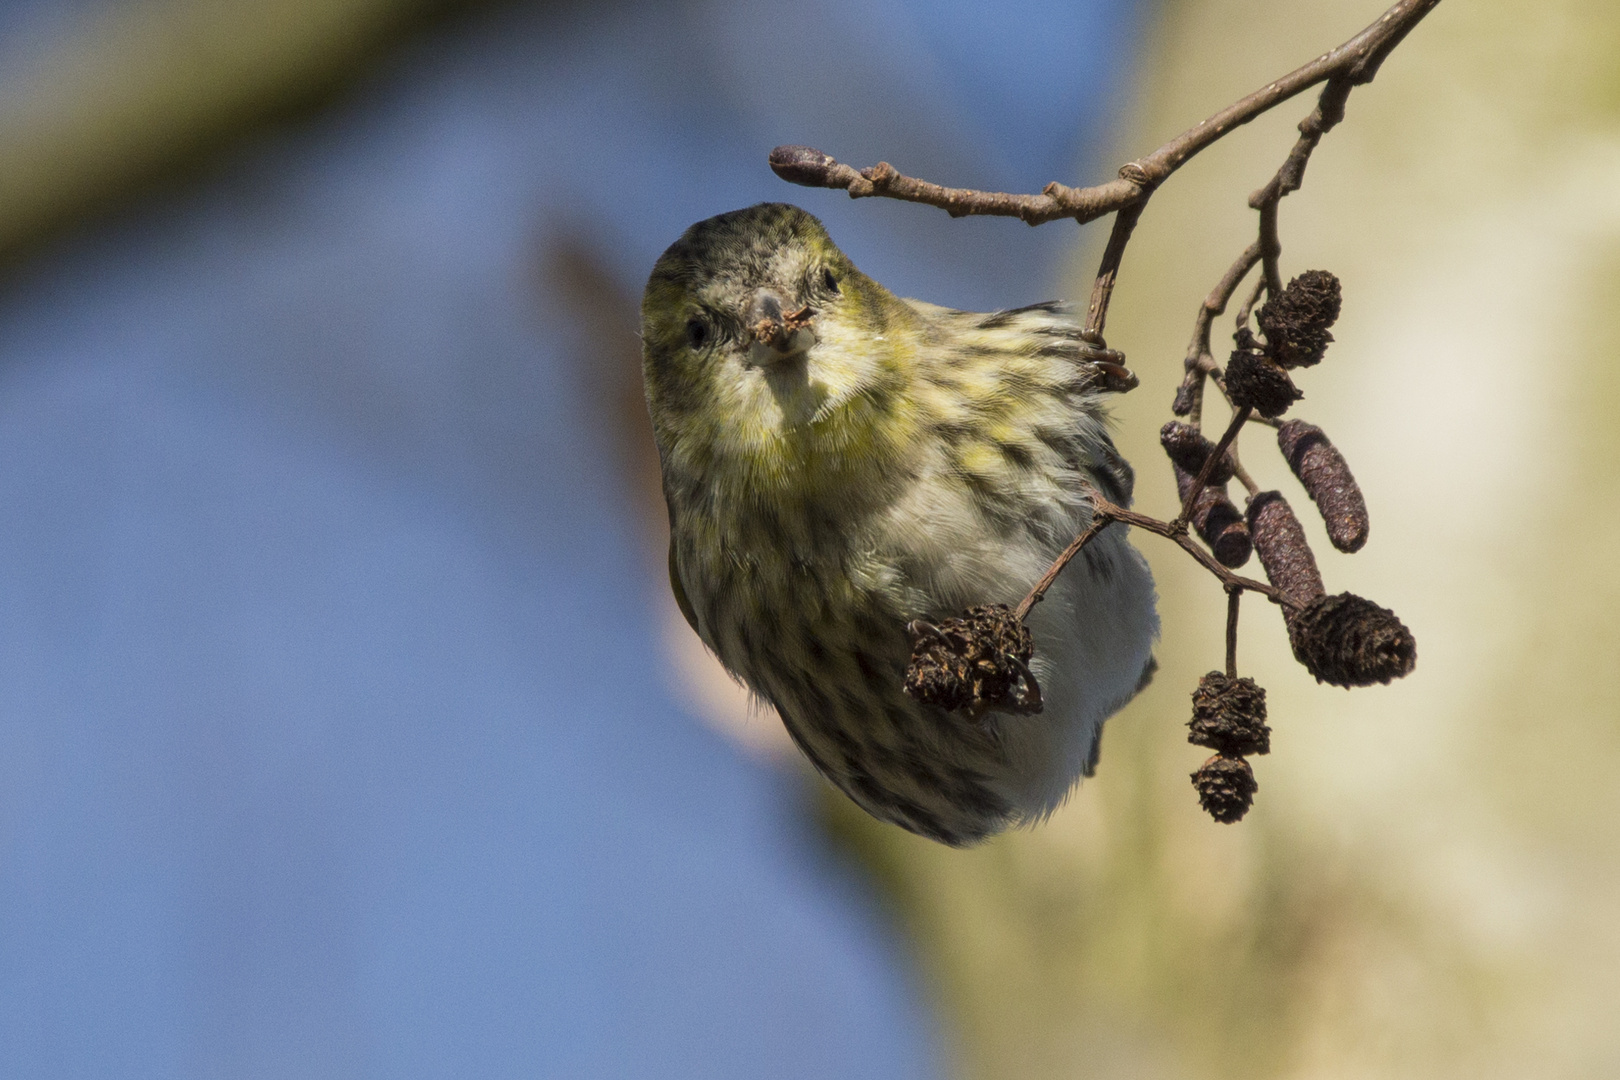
(121, 92)
(1426, 885)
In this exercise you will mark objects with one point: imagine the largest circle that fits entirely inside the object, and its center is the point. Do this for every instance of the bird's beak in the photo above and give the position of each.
(777, 335)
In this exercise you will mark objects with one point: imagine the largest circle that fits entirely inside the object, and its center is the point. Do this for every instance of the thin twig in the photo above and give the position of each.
(1242, 320)
(1245, 479)
(1105, 513)
(1102, 289)
(1288, 178)
(1099, 522)
(1215, 303)
(1199, 362)
(1270, 249)
(1232, 598)
(1170, 530)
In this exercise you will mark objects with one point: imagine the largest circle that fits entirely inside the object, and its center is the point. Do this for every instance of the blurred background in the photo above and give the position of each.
(347, 728)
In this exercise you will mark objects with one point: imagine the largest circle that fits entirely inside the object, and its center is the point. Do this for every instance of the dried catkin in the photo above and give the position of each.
(1326, 478)
(1296, 322)
(1283, 549)
(978, 660)
(1218, 521)
(1189, 449)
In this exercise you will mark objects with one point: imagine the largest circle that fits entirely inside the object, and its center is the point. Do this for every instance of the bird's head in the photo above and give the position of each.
(766, 350)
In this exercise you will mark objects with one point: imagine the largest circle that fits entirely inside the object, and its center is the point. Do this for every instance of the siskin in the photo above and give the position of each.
(839, 462)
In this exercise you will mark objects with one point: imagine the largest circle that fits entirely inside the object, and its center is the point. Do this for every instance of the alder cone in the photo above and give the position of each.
(1254, 382)
(1226, 788)
(978, 659)
(1296, 322)
(1349, 641)
(1229, 716)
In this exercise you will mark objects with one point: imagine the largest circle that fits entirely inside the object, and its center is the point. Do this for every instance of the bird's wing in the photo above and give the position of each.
(679, 590)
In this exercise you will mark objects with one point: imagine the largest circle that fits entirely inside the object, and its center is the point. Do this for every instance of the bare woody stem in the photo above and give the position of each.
(1270, 250)
(1351, 64)
(1266, 249)
(1233, 597)
(1199, 361)
(1242, 319)
(1105, 513)
(1099, 522)
(1102, 289)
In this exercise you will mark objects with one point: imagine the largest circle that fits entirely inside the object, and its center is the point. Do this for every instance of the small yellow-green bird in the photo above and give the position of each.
(839, 462)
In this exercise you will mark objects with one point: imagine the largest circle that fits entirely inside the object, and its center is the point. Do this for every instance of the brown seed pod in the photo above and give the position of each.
(1296, 322)
(1189, 449)
(1218, 522)
(1256, 382)
(1326, 478)
(1284, 551)
(1229, 716)
(978, 661)
(1226, 788)
(1348, 641)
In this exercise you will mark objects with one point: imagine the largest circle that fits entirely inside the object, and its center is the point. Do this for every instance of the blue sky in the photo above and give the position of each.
(333, 740)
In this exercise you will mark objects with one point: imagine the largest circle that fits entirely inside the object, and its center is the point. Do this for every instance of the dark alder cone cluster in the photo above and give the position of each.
(1253, 381)
(977, 662)
(1229, 717)
(1296, 323)
(1348, 641)
(1226, 788)
(1343, 639)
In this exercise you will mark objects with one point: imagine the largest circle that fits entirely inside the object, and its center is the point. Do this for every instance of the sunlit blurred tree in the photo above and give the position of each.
(1421, 887)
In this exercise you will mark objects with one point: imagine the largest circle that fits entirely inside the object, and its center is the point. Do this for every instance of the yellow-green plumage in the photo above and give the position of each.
(852, 461)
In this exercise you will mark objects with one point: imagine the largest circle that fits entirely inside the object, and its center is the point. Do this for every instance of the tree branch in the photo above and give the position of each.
(1105, 513)
(1351, 64)
(1233, 597)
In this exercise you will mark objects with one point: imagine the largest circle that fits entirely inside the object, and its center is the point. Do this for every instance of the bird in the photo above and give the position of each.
(838, 463)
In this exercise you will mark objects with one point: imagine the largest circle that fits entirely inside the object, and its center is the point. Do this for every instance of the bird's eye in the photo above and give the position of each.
(829, 281)
(697, 333)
